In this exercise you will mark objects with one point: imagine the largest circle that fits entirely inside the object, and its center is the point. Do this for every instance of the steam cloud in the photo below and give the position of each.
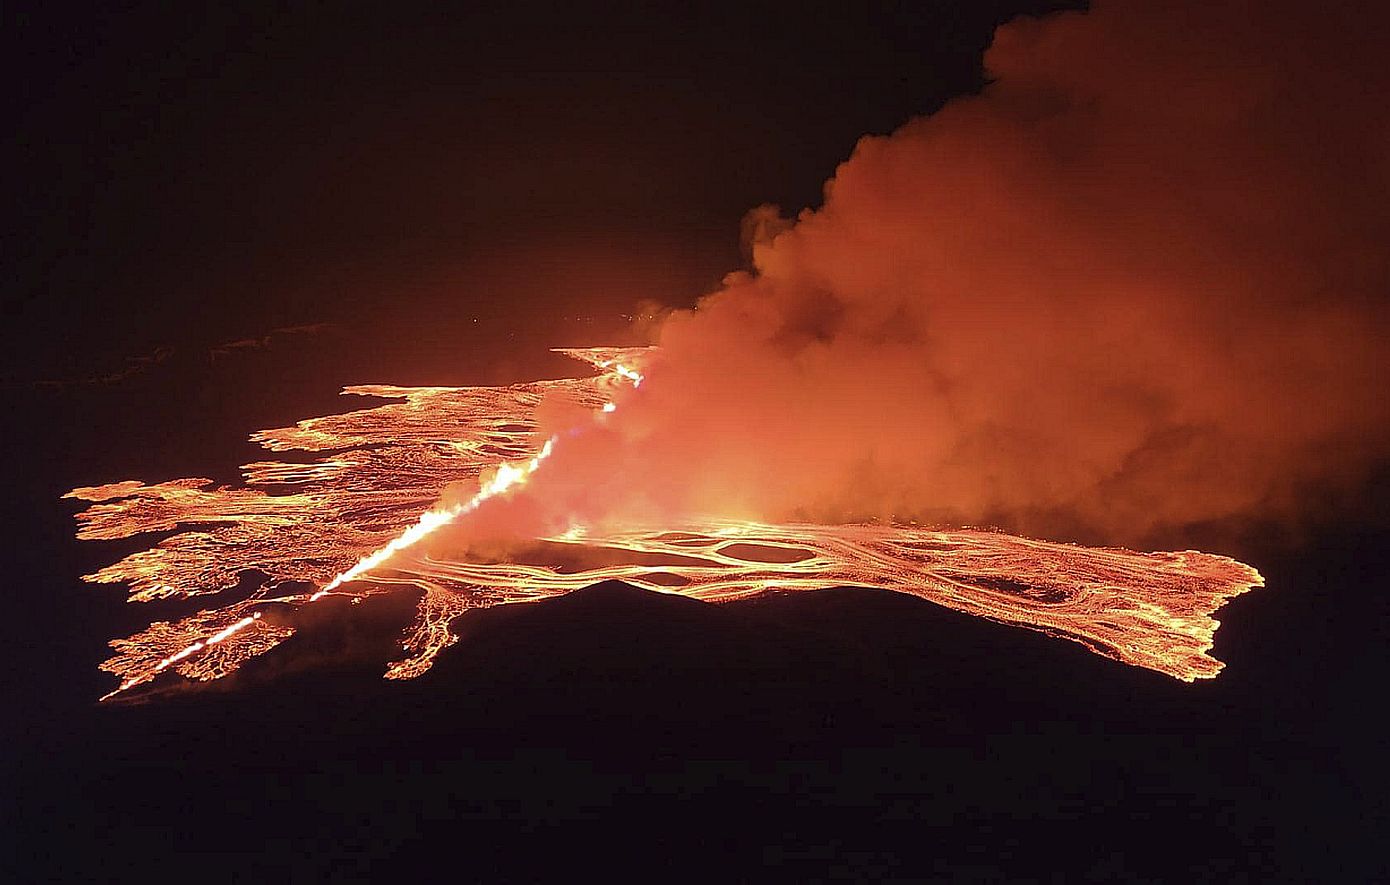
(1138, 283)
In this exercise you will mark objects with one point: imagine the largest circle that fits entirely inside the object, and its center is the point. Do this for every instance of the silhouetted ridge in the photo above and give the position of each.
(619, 595)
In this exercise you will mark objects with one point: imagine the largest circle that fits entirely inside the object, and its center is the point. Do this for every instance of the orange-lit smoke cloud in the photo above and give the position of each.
(1138, 283)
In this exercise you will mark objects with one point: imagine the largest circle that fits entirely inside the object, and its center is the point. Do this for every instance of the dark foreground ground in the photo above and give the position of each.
(616, 734)
(845, 733)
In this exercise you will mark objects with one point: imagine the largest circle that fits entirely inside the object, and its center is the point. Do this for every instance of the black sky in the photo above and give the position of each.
(224, 171)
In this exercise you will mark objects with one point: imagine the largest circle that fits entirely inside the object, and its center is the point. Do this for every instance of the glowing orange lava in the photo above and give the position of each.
(348, 524)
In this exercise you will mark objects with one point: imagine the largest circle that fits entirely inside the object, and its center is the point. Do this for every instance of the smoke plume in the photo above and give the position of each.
(1138, 283)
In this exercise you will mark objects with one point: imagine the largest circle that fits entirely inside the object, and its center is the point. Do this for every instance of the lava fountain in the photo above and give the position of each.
(349, 524)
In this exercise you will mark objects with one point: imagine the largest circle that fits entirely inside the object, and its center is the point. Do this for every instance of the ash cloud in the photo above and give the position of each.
(1139, 283)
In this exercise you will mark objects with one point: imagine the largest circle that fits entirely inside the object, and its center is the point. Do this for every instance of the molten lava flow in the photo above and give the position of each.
(349, 523)
(507, 475)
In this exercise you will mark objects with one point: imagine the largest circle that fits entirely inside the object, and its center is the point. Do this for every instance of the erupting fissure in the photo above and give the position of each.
(507, 475)
(351, 524)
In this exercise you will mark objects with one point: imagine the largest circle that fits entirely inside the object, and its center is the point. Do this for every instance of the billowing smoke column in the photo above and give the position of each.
(1138, 283)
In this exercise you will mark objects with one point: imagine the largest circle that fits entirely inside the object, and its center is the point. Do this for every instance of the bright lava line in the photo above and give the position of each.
(508, 475)
(163, 665)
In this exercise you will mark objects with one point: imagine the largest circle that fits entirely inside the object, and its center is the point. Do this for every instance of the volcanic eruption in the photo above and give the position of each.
(389, 462)
(1041, 308)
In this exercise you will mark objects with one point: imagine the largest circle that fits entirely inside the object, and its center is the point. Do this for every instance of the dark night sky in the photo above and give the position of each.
(221, 173)
(180, 178)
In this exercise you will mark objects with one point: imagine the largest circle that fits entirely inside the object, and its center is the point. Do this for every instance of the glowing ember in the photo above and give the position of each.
(352, 523)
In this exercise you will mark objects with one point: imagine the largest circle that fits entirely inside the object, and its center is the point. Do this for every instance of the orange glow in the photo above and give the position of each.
(351, 524)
